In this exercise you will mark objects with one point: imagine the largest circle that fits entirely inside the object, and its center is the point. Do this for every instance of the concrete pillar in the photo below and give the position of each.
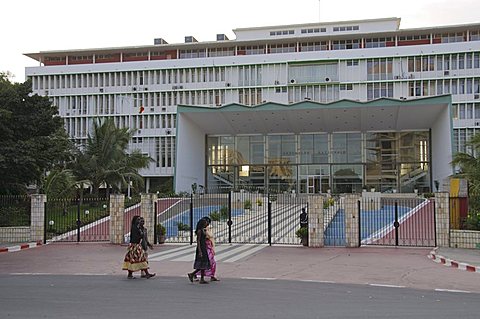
(117, 217)
(148, 213)
(315, 221)
(37, 219)
(351, 220)
(442, 219)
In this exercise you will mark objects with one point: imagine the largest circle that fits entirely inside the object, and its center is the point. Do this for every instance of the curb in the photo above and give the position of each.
(452, 263)
(12, 249)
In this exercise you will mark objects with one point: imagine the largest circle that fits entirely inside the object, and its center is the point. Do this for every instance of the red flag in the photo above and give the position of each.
(141, 109)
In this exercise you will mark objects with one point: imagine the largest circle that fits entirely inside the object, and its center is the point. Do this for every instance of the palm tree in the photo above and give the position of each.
(105, 160)
(469, 166)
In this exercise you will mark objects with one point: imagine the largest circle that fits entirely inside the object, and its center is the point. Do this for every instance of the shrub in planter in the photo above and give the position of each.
(259, 202)
(247, 204)
(182, 227)
(161, 232)
(302, 233)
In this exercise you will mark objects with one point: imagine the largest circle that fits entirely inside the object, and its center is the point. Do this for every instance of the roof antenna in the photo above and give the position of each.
(319, 20)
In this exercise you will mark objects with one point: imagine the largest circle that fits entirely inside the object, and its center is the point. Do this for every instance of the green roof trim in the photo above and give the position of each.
(269, 106)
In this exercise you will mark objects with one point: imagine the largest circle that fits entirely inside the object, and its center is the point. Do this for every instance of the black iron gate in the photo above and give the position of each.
(251, 217)
(397, 221)
(77, 220)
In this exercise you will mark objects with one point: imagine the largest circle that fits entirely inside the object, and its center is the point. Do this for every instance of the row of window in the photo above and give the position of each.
(447, 62)
(251, 75)
(447, 86)
(267, 48)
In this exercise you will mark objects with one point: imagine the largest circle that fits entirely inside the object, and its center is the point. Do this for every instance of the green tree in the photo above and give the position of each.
(468, 166)
(105, 160)
(32, 136)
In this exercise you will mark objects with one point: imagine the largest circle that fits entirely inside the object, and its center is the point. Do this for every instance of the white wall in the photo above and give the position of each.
(190, 156)
(442, 146)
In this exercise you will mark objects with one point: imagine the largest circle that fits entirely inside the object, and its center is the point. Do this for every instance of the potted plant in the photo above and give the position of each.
(247, 204)
(302, 233)
(259, 202)
(161, 232)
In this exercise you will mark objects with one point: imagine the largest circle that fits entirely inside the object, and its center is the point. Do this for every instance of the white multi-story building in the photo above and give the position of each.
(140, 87)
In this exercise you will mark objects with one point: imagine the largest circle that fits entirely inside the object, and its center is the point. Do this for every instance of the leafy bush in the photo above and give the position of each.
(222, 215)
(328, 202)
(259, 202)
(215, 216)
(182, 227)
(161, 229)
(247, 204)
(302, 232)
(472, 222)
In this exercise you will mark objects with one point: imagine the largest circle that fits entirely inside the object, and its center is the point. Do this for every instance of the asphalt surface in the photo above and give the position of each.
(84, 296)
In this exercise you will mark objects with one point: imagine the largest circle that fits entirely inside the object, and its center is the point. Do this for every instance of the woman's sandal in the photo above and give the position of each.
(131, 277)
(190, 277)
(214, 279)
(150, 275)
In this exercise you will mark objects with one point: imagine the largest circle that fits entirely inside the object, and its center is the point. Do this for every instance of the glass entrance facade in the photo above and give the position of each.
(343, 162)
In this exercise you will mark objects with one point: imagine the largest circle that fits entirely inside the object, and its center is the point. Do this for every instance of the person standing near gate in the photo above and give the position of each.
(304, 218)
(136, 258)
(202, 263)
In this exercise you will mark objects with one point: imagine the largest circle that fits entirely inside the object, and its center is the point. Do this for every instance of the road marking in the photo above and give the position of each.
(191, 255)
(454, 290)
(258, 278)
(233, 252)
(244, 254)
(31, 274)
(170, 251)
(319, 281)
(385, 285)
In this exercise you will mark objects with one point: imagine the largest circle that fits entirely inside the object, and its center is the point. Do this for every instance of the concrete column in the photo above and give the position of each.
(315, 221)
(117, 217)
(442, 223)
(148, 213)
(351, 220)
(37, 219)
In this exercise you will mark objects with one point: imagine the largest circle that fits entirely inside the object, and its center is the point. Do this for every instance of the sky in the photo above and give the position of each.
(29, 26)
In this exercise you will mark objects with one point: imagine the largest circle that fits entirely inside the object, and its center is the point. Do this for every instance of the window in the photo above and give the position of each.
(313, 46)
(379, 90)
(346, 87)
(377, 42)
(282, 32)
(379, 69)
(283, 48)
(352, 63)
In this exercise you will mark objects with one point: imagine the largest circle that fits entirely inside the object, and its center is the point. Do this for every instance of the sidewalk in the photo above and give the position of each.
(464, 259)
(13, 247)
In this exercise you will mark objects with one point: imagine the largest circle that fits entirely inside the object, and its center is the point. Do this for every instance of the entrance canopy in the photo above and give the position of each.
(194, 123)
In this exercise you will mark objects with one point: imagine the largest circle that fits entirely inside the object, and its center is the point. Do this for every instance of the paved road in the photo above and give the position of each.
(67, 296)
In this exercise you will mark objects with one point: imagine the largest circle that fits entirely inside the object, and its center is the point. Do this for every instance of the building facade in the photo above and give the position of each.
(364, 60)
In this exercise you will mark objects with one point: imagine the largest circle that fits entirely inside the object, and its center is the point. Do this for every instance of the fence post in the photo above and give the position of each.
(79, 222)
(270, 223)
(315, 221)
(351, 220)
(147, 211)
(359, 209)
(442, 220)
(229, 222)
(191, 219)
(396, 224)
(37, 219)
(117, 217)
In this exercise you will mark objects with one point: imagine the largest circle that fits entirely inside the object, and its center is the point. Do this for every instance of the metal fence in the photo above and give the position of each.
(15, 210)
(397, 221)
(237, 216)
(77, 220)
